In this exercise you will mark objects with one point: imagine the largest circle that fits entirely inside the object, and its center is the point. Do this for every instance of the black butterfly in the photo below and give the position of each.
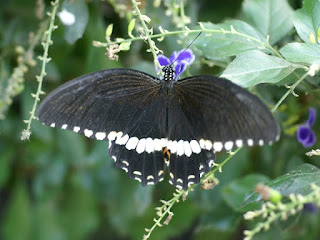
(150, 123)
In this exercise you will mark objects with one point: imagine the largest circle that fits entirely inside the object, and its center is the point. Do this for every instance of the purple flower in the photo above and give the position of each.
(310, 208)
(180, 61)
(305, 134)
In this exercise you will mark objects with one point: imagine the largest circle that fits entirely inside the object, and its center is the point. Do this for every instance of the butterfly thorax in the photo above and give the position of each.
(168, 79)
(168, 73)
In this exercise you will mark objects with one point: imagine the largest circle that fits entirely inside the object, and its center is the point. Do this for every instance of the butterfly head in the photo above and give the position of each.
(168, 72)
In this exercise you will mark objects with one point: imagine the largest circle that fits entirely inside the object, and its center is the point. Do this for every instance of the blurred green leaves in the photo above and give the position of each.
(79, 10)
(253, 67)
(270, 17)
(227, 44)
(63, 186)
(301, 53)
(307, 20)
(296, 181)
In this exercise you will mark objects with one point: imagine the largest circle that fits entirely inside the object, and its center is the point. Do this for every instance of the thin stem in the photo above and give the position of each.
(45, 59)
(167, 206)
(209, 31)
(147, 35)
(289, 91)
(182, 13)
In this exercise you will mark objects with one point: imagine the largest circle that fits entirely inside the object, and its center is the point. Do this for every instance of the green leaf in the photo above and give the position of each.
(270, 17)
(17, 224)
(80, 10)
(79, 213)
(297, 181)
(220, 223)
(307, 19)
(227, 44)
(301, 52)
(253, 67)
(235, 191)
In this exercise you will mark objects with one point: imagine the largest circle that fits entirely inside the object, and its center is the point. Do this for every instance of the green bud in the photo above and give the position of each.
(274, 196)
(109, 30)
(131, 27)
(312, 38)
(125, 46)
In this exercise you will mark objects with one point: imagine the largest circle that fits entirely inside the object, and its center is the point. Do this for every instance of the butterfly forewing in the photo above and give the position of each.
(222, 114)
(120, 105)
(100, 102)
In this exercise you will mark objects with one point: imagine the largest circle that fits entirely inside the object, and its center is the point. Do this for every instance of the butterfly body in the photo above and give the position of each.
(151, 122)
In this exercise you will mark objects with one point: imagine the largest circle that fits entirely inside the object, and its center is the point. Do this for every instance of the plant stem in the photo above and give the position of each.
(45, 59)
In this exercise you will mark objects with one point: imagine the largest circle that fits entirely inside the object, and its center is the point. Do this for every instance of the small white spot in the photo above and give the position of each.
(211, 162)
(171, 175)
(100, 135)
(208, 144)
(137, 173)
(150, 183)
(112, 136)
(202, 143)
(126, 163)
(119, 134)
(167, 162)
(270, 142)
(132, 143)
(201, 174)
(64, 126)
(239, 143)
(278, 137)
(88, 133)
(52, 125)
(250, 142)
(66, 17)
(125, 169)
(157, 144)
(180, 149)
(195, 146)
(76, 129)
(160, 173)
(172, 146)
(164, 142)
(114, 158)
(161, 179)
(137, 178)
(191, 177)
(201, 167)
(179, 180)
(122, 140)
(150, 177)
(149, 145)
(261, 142)
(187, 148)
(228, 145)
(110, 144)
(178, 186)
(190, 183)
(170, 181)
(217, 146)
(141, 145)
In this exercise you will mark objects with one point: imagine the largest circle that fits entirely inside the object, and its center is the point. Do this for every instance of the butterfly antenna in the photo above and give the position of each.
(186, 48)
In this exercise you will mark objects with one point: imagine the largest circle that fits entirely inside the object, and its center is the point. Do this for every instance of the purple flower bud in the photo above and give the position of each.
(305, 133)
(310, 208)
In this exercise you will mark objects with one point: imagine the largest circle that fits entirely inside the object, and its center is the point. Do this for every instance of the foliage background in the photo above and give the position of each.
(60, 185)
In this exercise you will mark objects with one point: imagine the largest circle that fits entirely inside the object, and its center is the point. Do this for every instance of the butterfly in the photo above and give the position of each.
(155, 124)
